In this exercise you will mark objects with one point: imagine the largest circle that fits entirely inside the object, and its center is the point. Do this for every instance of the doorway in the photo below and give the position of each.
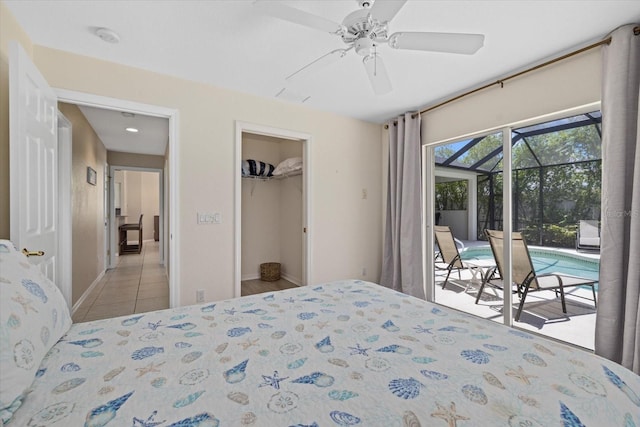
(170, 192)
(136, 192)
(271, 213)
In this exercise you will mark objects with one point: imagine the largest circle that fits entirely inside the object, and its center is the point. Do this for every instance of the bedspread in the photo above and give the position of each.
(347, 353)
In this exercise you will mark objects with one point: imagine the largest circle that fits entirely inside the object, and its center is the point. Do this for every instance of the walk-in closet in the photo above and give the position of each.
(272, 213)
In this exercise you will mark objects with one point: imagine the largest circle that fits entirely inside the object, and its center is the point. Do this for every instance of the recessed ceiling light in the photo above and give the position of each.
(108, 35)
(132, 130)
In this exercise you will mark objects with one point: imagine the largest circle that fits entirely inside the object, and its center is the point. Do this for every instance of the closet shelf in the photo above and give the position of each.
(276, 177)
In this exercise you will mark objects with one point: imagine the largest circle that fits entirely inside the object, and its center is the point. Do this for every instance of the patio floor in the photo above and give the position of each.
(542, 312)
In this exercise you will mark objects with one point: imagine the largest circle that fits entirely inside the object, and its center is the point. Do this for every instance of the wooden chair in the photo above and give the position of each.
(125, 247)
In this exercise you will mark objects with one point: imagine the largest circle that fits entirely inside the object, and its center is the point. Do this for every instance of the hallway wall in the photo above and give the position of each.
(87, 202)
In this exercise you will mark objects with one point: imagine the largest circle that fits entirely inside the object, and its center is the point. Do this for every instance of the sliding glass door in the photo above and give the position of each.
(540, 181)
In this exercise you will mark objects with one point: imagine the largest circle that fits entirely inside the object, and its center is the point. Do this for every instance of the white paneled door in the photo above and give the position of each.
(34, 160)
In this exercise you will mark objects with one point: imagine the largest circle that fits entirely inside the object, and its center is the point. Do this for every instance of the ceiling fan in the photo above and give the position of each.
(366, 29)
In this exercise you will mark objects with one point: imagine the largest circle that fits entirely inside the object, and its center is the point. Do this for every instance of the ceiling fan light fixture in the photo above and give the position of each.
(365, 29)
(364, 46)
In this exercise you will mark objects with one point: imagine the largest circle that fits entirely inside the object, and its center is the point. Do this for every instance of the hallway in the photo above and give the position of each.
(138, 284)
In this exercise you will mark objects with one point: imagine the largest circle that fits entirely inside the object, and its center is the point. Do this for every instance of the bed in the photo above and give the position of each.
(348, 353)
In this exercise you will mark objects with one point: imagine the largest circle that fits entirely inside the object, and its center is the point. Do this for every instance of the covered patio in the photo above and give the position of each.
(556, 183)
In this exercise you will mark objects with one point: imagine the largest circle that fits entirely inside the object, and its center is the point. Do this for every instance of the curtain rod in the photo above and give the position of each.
(636, 31)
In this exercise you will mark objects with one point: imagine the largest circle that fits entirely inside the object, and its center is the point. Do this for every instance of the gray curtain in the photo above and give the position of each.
(402, 251)
(618, 317)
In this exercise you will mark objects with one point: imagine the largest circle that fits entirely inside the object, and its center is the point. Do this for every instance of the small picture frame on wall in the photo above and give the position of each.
(91, 175)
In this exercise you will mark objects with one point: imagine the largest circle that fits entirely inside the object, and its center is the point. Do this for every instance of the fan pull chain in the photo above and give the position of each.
(375, 60)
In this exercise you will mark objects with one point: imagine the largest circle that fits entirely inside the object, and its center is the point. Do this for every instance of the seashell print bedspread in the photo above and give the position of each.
(347, 353)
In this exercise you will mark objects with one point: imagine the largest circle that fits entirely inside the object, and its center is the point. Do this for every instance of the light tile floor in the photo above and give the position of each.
(138, 284)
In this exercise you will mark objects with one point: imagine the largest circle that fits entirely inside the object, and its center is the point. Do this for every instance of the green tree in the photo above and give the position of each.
(563, 165)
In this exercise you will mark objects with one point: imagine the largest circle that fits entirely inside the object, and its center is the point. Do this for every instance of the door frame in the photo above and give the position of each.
(305, 139)
(92, 100)
(65, 226)
(106, 212)
(112, 209)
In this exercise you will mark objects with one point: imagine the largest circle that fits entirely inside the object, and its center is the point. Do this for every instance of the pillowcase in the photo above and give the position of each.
(256, 168)
(33, 317)
(288, 165)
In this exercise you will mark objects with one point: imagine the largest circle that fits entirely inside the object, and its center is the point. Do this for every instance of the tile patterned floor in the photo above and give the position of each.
(138, 284)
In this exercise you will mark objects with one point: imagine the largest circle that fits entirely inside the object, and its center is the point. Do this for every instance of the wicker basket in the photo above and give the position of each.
(270, 271)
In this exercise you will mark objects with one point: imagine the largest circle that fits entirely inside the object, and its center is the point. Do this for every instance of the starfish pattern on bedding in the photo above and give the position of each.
(153, 326)
(25, 303)
(448, 414)
(273, 381)
(321, 325)
(421, 330)
(230, 311)
(520, 374)
(149, 422)
(151, 367)
(359, 350)
(249, 343)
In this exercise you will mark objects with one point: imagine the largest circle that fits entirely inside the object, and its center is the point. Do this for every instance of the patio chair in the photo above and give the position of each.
(448, 252)
(588, 237)
(524, 275)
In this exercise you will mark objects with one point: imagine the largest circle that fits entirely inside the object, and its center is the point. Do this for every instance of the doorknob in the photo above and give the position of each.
(29, 253)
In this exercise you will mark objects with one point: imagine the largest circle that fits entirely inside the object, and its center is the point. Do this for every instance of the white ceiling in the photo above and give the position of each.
(230, 44)
(110, 126)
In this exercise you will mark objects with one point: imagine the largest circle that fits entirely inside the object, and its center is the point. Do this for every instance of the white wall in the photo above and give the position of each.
(458, 220)
(345, 152)
(150, 200)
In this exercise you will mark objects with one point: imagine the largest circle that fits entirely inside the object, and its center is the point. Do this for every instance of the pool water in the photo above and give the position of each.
(546, 261)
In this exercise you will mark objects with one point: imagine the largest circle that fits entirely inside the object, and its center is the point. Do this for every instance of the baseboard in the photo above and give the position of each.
(293, 280)
(86, 293)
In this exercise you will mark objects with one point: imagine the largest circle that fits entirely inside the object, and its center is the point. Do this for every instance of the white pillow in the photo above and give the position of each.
(33, 317)
(288, 165)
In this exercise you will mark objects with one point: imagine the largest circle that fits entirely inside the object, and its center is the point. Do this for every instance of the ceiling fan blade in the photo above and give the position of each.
(385, 10)
(318, 64)
(467, 44)
(297, 16)
(377, 74)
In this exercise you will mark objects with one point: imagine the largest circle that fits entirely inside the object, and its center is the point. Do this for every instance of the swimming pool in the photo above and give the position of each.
(546, 261)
